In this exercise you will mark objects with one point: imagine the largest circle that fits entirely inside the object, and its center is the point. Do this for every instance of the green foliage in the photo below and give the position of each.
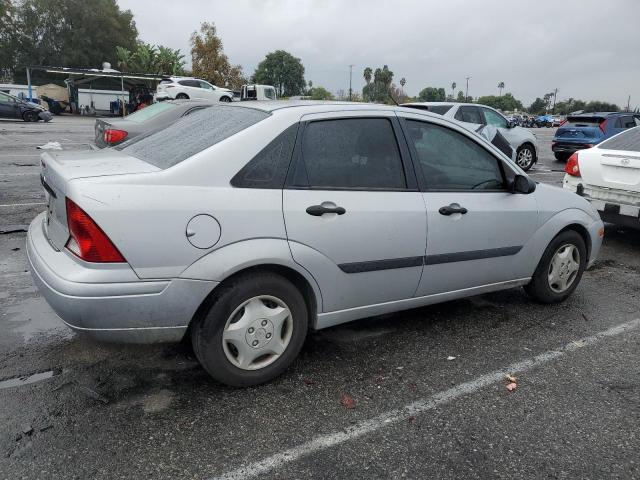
(8, 37)
(432, 94)
(501, 87)
(461, 98)
(538, 106)
(209, 61)
(150, 59)
(378, 90)
(74, 33)
(505, 102)
(282, 70)
(542, 105)
(319, 93)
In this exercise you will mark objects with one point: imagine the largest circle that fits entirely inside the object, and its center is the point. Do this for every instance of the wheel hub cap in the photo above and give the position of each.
(259, 333)
(563, 268)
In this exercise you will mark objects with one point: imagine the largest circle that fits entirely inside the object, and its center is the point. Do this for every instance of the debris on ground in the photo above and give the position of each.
(347, 401)
(511, 379)
(27, 429)
(93, 394)
(451, 357)
(512, 385)
(306, 381)
(50, 146)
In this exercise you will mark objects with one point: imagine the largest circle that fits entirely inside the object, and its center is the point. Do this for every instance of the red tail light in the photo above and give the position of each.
(603, 125)
(87, 240)
(562, 123)
(111, 135)
(573, 167)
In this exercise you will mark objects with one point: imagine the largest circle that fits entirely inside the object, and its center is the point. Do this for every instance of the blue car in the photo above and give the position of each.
(588, 129)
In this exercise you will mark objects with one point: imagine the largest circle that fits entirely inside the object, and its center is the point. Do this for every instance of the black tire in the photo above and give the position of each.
(225, 99)
(561, 156)
(30, 116)
(182, 96)
(206, 334)
(539, 288)
(526, 165)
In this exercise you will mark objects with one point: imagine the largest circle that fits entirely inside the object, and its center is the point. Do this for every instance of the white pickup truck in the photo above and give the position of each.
(257, 92)
(608, 175)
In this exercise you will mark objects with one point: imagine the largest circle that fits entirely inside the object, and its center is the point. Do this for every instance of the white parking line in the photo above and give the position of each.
(365, 427)
(22, 204)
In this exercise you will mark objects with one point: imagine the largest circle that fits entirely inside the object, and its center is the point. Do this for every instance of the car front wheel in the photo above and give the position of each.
(525, 157)
(30, 117)
(182, 96)
(560, 269)
(225, 99)
(253, 330)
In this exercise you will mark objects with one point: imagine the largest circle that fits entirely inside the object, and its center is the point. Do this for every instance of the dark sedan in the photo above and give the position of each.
(113, 131)
(14, 107)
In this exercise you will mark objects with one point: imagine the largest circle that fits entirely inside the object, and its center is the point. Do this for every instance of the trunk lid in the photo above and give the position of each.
(58, 169)
(580, 130)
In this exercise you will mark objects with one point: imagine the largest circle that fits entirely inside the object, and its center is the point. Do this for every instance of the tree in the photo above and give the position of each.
(148, 58)
(209, 61)
(73, 33)
(367, 75)
(378, 90)
(320, 93)
(537, 107)
(282, 70)
(500, 87)
(453, 90)
(432, 94)
(505, 102)
(8, 38)
(461, 98)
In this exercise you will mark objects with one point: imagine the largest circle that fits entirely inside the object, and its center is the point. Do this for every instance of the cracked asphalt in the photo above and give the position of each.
(75, 409)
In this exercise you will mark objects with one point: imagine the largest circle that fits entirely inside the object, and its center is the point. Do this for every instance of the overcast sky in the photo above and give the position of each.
(588, 49)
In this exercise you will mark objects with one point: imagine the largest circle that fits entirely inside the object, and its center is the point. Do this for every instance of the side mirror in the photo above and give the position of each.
(523, 184)
(510, 124)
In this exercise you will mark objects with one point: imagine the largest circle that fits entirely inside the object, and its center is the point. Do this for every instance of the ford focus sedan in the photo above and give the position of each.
(244, 226)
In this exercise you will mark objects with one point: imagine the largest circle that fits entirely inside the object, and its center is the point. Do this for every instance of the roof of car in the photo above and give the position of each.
(598, 114)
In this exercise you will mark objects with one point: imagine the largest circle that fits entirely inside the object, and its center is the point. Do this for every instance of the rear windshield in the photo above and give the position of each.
(628, 140)
(192, 134)
(439, 109)
(583, 122)
(150, 112)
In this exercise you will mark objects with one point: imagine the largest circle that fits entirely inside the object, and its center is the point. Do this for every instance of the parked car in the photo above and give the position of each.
(183, 88)
(257, 92)
(608, 175)
(544, 121)
(521, 140)
(115, 130)
(246, 225)
(588, 129)
(13, 107)
(557, 121)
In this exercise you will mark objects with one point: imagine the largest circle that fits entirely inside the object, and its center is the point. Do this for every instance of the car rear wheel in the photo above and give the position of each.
(525, 157)
(561, 156)
(252, 331)
(560, 269)
(182, 96)
(225, 99)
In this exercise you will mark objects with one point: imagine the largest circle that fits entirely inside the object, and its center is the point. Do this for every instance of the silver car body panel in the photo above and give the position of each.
(145, 211)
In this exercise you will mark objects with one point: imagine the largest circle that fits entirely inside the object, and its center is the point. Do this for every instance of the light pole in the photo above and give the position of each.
(466, 96)
(350, 75)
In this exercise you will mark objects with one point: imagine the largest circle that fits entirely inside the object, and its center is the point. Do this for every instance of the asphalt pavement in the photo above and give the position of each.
(417, 394)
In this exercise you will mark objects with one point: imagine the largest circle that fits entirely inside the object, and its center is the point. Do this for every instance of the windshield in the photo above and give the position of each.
(150, 112)
(192, 134)
(628, 140)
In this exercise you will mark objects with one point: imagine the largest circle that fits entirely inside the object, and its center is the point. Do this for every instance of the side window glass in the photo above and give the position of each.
(494, 118)
(469, 115)
(360, 153)
(637, 121)
(205, 85)
(268, 169)
(451, 161)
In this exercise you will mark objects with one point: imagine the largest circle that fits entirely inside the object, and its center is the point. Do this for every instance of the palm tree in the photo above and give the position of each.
(125, 59)
(453, 89)
(403, 82)
(500, 87)
(367, 75)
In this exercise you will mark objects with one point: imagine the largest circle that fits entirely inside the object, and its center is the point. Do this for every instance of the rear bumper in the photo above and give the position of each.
(610, 209)
(131, 311)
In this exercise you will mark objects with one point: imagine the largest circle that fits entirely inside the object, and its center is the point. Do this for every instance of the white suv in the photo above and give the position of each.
(194, 88)
(521, 140)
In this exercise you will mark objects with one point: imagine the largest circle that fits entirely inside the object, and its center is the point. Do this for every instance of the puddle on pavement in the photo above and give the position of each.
(27, 379)
(33, 317)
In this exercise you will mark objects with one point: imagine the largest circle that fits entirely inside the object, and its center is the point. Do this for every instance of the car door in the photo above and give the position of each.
(354, 216)
(476, 228)
(9, 108)
(208, 91)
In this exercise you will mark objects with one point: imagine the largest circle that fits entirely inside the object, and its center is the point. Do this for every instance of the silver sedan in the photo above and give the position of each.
(244, 226)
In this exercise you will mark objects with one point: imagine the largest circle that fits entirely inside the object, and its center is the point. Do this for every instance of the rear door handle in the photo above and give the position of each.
(319, 210)
(451, 209)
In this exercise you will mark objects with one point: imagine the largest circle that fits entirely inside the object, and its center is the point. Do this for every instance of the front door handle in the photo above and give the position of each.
(451, 209)
(319, 210)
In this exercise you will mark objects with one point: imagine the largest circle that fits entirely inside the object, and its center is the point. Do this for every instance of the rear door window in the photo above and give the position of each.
(351, 153)
(469, 115)
(439, 109)
(452, 161)
(583, 122)
(192, 134)
(628, 140)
